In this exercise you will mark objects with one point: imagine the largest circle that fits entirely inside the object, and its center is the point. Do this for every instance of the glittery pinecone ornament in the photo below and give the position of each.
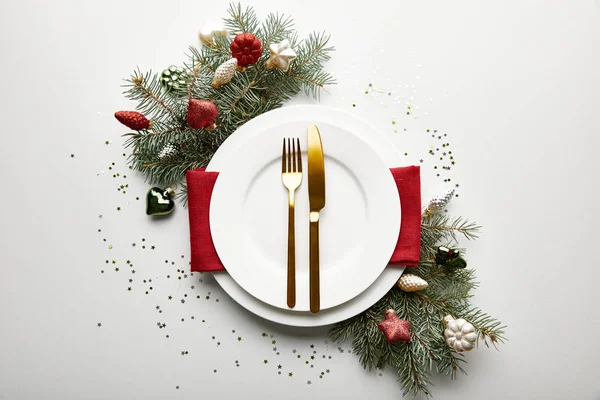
(167, 152)
(411, 283)
(246, 48)
(174, 78)
(394, 328)
(202, 114)
(224, 73)
(439, 202)
(133, 120)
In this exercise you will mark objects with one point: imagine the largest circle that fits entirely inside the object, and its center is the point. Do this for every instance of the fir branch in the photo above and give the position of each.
(242, 94)
(241, 20)
(249, 94)
(449, 292)
(163, 132)
(309, 80)
(487, 327)
(195, 72)
(413, 375)
(144, 89)
(276, 28)
(440, 224)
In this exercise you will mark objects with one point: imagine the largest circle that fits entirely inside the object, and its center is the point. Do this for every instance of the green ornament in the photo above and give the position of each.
(174, 78)
(450, 258)
(160, 201)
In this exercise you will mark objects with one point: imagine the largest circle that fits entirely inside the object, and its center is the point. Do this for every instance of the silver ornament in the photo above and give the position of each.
(168, 151)
(224, 73)
(460, 335)
(411, 283)
(439, 202)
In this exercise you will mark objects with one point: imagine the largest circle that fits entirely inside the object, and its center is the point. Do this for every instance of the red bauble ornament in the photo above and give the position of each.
(394, 328)
(202, 114)
(246, 48)
(133, 120)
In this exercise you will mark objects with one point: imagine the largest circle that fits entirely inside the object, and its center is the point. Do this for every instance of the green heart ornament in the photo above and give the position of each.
(160, 201)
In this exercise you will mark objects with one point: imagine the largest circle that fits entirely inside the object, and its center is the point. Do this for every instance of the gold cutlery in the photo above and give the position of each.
(316, 197)
(291, 176)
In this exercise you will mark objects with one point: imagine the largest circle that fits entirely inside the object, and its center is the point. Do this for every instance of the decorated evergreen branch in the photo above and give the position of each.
(429, 319)
(242, 70)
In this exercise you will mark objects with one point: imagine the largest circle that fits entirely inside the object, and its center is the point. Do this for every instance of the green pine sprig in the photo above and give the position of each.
(449, 293)
(249, 94)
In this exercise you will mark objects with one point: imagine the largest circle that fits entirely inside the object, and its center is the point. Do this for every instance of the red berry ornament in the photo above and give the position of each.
(202, 114)
(246, 48)
(133, 120)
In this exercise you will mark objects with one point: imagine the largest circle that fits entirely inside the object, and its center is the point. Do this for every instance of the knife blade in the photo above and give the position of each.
(316, 197)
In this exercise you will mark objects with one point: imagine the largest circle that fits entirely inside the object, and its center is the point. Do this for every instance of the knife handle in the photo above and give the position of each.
(315, 298)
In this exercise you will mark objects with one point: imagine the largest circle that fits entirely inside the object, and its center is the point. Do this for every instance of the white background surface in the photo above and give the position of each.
(515, 85)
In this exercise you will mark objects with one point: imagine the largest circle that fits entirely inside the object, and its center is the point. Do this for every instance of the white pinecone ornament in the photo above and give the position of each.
(460, 335)
(411, 283)
(224, 73)
(439, 202)
(167, 152)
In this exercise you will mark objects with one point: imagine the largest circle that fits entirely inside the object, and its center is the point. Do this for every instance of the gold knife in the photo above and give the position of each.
(316, 197)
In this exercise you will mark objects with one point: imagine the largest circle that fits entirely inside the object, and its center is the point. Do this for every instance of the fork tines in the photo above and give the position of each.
(291, 158)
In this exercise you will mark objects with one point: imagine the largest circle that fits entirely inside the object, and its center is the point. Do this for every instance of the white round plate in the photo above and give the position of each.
(317, 115)
(359, 225)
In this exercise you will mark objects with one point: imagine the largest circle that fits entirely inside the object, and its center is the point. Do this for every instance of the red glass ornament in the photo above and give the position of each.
(202, 114)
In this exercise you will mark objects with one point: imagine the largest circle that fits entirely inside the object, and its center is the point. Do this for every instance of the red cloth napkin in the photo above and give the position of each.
(200, 184)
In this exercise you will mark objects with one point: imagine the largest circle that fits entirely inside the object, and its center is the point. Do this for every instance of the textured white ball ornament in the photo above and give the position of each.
(411, 283)
(460, 335)
(224, 73)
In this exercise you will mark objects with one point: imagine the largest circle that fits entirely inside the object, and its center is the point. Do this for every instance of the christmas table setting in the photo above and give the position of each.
(259, 194)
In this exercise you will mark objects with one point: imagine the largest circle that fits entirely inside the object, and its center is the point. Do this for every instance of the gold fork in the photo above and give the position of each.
(291, 176)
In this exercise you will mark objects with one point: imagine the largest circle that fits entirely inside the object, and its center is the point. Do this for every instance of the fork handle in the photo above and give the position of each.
(291, 264)
(315, 297)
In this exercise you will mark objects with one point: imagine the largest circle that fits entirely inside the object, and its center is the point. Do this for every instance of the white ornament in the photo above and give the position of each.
(209, 30)
(460, 335)
(281, 56)
(224, 73)
(168, 151)
(412, 283)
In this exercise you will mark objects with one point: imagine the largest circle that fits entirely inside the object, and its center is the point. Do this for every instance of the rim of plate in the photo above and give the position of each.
(338, 285)
(386, 150)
